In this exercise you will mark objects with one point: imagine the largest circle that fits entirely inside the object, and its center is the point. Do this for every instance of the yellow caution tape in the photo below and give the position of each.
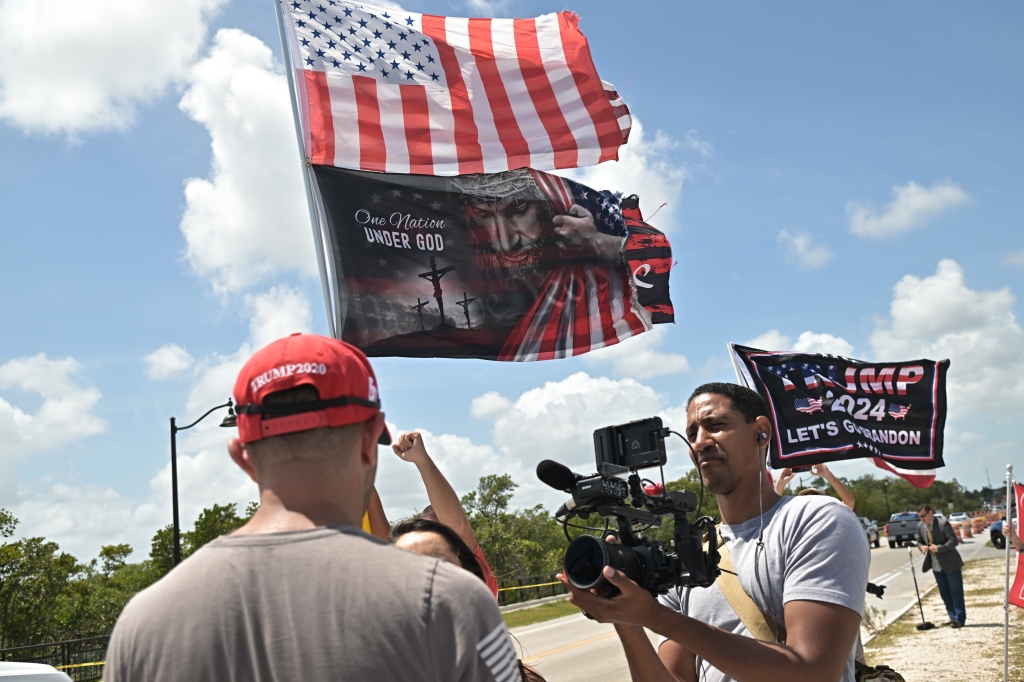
(525, 587)
(78, 665)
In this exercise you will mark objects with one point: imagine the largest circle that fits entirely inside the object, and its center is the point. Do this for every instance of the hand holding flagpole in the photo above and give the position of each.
(1006, 605)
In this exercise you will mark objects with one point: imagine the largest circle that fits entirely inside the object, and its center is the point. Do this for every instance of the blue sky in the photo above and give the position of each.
(839, 178)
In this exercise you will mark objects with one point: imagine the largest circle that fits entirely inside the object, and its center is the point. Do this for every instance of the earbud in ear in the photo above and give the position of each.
(761, 437)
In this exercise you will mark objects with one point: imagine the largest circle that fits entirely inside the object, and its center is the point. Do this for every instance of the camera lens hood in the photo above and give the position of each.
(587, 556)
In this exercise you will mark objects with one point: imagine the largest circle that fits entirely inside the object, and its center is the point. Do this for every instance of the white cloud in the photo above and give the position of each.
(249, 219)
(83, 519)
(807, 342)
(273, 314)
(912, 207)
(557, 420)
(939, 317)
(485, 8)
(770, 340)
(1014, 258)
(639, 357)
(692, 142)
(167, 361)
(643, 168)
(461, 461)
(489, 405)
(71, 66)
(801, 250)
(67, 412)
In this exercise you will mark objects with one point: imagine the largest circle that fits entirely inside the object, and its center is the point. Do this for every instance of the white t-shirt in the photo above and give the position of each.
(814, 550)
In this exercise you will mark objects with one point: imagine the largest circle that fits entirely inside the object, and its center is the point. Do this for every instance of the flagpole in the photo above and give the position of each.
(1006, 605)
(314, 215)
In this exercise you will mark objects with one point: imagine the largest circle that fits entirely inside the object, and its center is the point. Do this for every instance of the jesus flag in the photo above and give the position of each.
(515, 266)
(399, 92)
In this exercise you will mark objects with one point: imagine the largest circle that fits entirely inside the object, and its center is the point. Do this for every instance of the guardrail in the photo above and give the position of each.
(528, 588)
(81, 659)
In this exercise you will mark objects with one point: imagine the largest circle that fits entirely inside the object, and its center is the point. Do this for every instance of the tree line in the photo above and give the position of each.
(49, 595)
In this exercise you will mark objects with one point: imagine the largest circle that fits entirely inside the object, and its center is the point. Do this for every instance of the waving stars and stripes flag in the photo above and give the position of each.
(807, 405)
(898, 411)
(400, 92)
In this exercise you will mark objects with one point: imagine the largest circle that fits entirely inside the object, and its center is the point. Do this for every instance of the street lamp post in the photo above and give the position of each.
(229, 421)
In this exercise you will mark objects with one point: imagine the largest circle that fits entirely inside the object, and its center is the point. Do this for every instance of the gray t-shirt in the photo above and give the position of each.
(321, 604)
(814, 549)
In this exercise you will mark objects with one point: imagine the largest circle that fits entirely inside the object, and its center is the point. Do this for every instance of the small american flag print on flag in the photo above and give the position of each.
(399, 92)
(898, 411)
(808, 405)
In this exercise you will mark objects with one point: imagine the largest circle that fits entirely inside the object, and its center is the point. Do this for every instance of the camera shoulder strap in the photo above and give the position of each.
(757, 622)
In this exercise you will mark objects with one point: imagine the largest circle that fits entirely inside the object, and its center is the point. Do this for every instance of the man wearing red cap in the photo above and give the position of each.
(299, 592)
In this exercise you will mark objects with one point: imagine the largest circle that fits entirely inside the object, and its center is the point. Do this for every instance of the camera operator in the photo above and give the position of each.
(806, 578)
(444, 508)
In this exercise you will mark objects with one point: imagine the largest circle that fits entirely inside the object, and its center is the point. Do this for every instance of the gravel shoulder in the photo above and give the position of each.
(974, 652)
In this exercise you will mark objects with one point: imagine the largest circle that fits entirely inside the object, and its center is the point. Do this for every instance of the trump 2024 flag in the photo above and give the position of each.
(400, 92)
(825, 408)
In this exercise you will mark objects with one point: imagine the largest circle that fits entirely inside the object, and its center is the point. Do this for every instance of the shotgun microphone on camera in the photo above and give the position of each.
(558, 476)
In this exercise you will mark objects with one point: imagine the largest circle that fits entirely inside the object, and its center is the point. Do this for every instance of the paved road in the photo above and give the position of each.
(575, 649)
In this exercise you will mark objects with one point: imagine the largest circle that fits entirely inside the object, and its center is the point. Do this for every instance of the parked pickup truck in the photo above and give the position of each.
(902, 527)
(871, 529)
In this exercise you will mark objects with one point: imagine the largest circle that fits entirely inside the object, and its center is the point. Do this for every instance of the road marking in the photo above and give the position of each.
(558, 622)
(888, 577)
(545, 654)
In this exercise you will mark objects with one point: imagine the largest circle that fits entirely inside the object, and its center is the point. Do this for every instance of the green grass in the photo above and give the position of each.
(904, 625)
(539, 614)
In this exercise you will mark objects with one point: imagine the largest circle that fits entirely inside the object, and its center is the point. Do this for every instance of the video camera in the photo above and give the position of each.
(624, 450)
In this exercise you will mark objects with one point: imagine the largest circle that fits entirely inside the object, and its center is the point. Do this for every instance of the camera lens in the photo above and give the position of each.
(587, 556)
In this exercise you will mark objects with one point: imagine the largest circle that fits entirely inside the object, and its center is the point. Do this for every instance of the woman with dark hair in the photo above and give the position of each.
(445, 508)
(433, 538)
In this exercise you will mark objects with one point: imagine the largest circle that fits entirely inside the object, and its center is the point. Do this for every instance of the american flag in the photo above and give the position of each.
(898, 411)
(808, 405)
(579, 308)
(400, 92)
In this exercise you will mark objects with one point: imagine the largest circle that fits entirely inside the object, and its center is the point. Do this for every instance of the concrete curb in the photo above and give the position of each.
(900, 614)
(533, 602)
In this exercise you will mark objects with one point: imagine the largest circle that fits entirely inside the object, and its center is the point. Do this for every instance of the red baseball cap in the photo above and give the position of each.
(340, 373)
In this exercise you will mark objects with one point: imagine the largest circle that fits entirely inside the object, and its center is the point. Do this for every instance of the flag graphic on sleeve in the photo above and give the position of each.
(400, 92)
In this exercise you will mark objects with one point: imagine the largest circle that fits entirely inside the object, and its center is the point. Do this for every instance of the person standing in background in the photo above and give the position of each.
(938, 542)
